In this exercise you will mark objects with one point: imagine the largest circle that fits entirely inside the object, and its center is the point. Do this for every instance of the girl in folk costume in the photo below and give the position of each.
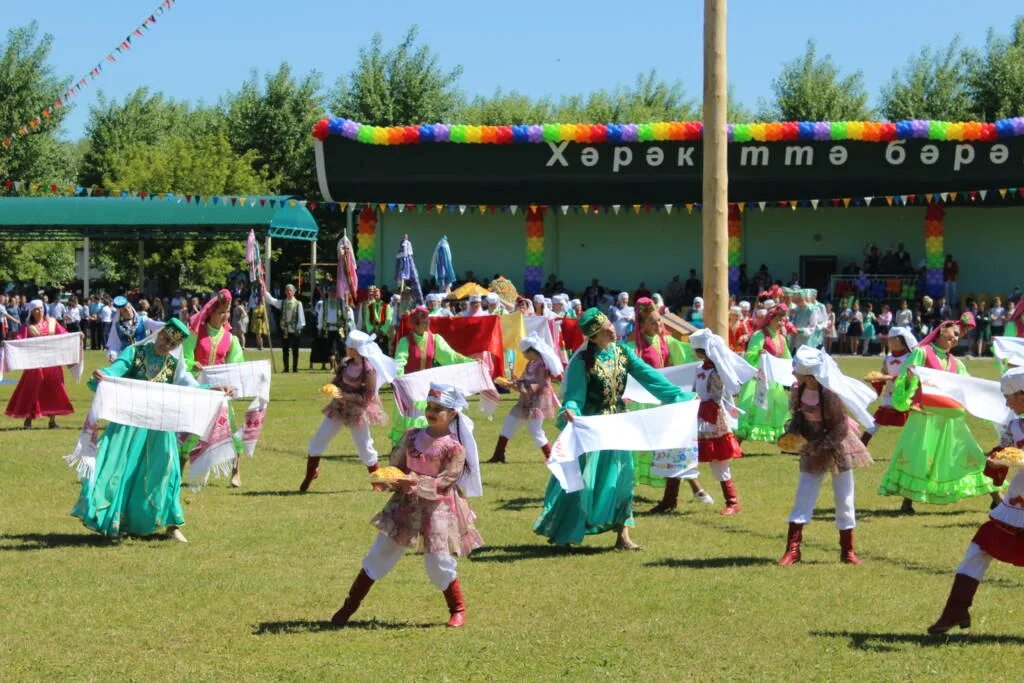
(901, 342)
(420, 349)
(40, 391)
(739, 330)
(832, 445)
(937, 460)
(356, 403)
(212, 343)
(765, 404)
(719, 378)
(128, 328)
(663, 469)
(135, 485)
(594, 383)
(429, 507)
(1002, 536)
(537, 400)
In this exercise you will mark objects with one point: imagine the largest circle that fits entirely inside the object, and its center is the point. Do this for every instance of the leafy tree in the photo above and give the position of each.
(811, 89)
(44, 263)
(997, 76)
(503, 109)
(933, 85)
(275, 123)
(402, 85)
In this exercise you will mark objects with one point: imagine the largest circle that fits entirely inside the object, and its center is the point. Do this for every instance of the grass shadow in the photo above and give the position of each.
(895, 512)
(518, 552)
(521, 503)
(711, 562)
(317, 626)
(889, 642)
(27, 542)
(288, 492)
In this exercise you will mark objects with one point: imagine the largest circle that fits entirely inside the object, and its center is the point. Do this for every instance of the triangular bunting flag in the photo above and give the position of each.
(888, 200)
(586, 208)
(742, 206)
(982, 194)
(867, 200)
(689, 209)
(945, 196)
(565, 209)
(439, 208)
(928, 197)
(636, 209)
(513, 208)
(761, 206)
(482, 209)
(1002, 193)
(668, 208)
(814, 204)
(952, 196)
(846, 202)
(383, 208)
(533, 208)
(615, 208)
(462, 209)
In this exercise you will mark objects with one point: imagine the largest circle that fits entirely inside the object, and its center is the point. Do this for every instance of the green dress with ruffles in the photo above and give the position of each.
(765, 404)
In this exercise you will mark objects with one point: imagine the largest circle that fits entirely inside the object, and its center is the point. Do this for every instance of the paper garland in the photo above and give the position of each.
(789, 131)
(934, 248)
(93, 74)
(366, 242)
(533, 276)
(735, 247)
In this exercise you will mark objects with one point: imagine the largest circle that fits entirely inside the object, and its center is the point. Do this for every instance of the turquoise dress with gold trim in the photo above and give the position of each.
(137, 480)
(606, 501)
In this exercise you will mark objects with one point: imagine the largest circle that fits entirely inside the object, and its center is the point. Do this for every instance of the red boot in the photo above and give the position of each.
(360, 587)
(846, 554)
(957, 609)
(546, 450)
(732, 500)
(312, 472)
(499, 450)
(456, 604)
(670, 500)
(792, 554)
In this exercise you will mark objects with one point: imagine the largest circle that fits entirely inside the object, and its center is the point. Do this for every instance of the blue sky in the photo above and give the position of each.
(202, 48)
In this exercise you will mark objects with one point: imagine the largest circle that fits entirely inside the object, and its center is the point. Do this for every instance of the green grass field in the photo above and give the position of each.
(250, 597)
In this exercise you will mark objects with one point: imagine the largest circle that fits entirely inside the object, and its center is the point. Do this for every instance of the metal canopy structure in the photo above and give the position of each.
(76, 218)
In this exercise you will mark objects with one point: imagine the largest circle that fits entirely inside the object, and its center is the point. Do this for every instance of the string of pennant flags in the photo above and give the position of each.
(73, 90)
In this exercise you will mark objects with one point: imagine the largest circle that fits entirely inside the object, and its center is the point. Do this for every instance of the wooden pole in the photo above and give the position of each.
(716, 171)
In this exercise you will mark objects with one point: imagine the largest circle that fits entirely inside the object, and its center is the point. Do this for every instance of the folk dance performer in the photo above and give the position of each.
(537, 400)
(765, 404)
(831, 445)
(429, 507)
(1002, 536)
(937, 459)
(128, 328)
(594, 383)
(355, 403)
(901, 342)
(40, 392)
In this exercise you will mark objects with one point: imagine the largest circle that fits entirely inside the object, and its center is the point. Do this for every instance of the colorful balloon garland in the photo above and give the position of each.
(934, 248)
(366, 242)
(533, 276)
(735, 248)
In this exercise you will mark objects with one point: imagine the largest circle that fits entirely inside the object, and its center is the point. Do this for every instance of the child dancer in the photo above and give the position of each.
(832, 445)
(719, 379)
(901, 342)
(537, 400)
(1002, 536)
(356, 404)
(428, 507)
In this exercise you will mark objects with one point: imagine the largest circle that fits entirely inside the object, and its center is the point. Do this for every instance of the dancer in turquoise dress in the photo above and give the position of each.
(134, 488)
(594, 383)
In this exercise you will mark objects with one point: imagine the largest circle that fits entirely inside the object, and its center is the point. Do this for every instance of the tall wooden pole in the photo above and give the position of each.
(716, 171)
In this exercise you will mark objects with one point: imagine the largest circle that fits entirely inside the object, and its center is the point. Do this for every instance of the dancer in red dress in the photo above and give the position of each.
(901, 342)
(40, 392)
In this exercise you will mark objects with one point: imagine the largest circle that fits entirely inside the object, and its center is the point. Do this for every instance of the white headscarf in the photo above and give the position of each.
(698, 303)
(34, 304)
(906, 335)
(385, 367)
(856, 395)
(451, 397)
(734, 370)
(551, 360)
(745, 306)
(1012, 381)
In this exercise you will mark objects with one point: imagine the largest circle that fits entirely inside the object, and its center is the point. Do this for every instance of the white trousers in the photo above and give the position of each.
(535, 427)
(975, 562)
(720, 470)
(384, 555)
(360, 435)
(807, 495)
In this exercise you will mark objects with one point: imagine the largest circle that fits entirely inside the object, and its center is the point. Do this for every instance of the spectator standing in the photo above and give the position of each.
(997, 316)
(904, 317)
(981, 334)
(106, 317)
(950, 273)
(692, 288)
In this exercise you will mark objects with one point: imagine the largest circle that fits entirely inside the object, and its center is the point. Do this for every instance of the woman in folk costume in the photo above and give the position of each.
(259, 324)
(537, 400)
(356, 403)
(429, 508)
(436, 310)
(40, 391)
(765, 404)
(832, 445)
(1002, 536)
(540, 306)
(420, 349)
(663, 469)
(623, 316)
(1015, 321)
(211, 343)
(739, 330)
(594, 383)
(135, 486)
(901, 342)
(128, 328)
(937, 460)
(719, 378)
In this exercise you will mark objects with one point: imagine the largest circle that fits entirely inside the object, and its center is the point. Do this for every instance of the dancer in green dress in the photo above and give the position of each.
(937, 460)
(594, 382)
(134, 488)
(765, 404)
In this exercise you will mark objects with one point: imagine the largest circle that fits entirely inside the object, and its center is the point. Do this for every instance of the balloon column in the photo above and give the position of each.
(366, 250)
(735, 248)
(934, 248)
(533, 278)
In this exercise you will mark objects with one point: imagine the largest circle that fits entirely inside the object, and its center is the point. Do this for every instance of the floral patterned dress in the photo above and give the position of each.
(360, 403)
(833, 443)
(537, 400)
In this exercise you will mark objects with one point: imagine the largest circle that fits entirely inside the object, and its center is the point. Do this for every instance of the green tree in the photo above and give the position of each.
(44, 263)
(505, 109)
(275, 121)
(399, 86)
(932, 85)
(650, 98)
(997, 75)
(811, 89)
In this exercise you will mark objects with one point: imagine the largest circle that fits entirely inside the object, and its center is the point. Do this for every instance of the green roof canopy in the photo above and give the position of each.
(72, 218)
